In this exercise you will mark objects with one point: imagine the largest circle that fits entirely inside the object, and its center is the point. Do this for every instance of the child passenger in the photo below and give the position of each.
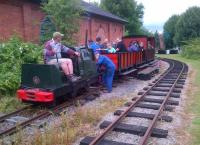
(110, 48)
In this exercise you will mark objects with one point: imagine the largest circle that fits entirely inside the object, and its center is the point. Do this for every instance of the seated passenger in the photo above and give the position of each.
(133, 47)
(52, 55)
(149, 46)
(95, 46)
(120, 46)
(110, 49)
(104, 44)
(141, 44)
(114, 45)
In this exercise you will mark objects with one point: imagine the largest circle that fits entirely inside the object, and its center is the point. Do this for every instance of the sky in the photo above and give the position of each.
(157, 12)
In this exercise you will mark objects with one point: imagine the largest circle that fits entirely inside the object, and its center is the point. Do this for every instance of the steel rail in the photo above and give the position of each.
(39, 116)
(101, 136)
(2, 118)
(144, 139)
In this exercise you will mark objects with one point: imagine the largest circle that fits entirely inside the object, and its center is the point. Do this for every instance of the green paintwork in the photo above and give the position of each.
(50, 77)
(87, 66)
(41, 76)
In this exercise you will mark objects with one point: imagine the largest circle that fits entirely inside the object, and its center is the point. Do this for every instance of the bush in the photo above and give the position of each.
(191, 49)
(12, 55)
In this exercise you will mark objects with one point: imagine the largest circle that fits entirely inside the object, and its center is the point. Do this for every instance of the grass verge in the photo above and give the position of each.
(9, 104)
(193, 106)
(66, 129)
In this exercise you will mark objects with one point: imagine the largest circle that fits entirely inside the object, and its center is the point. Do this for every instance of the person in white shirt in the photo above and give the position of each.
(52, 54)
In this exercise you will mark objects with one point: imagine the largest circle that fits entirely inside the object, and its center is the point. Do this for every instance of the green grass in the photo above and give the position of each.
(9, 104)
(193, 107)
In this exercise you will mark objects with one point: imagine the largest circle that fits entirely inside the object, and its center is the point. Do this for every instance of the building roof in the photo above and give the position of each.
(92, 9)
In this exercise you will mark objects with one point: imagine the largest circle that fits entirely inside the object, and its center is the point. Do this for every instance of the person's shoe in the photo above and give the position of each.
(109, 91)
(74, 78)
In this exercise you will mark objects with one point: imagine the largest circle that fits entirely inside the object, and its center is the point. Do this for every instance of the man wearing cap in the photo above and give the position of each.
(109, 70)
(52, 55)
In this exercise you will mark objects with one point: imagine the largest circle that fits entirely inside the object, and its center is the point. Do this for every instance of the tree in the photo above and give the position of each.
(188, 26)
(170, 30)
(47, 28)
(129, 10)
(157, 39)
(95, 3)
(145, 31)
(65, 15)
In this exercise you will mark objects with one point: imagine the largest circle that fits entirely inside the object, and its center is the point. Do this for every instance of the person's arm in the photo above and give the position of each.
(100, 60)
(117, 47)
(69, 51)
(48, 50)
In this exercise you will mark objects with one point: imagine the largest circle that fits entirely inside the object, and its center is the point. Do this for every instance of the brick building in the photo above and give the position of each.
(23, 17)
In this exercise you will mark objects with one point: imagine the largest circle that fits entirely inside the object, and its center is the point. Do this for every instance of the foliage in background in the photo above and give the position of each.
(157, 39)
(46, 29)
(65, 14)
(129, 10)
(95, 3)
(9, 104)
(169, 31)
(145, 31)
(12, 55)
(188, 25)
(192, 100)
(191, 49)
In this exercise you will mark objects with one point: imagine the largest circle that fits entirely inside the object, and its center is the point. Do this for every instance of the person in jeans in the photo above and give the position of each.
(109, 72)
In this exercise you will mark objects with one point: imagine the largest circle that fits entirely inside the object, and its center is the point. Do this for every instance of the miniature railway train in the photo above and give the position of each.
(42, 83)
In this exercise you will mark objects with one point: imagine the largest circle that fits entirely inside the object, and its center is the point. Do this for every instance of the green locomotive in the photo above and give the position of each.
(42, 83)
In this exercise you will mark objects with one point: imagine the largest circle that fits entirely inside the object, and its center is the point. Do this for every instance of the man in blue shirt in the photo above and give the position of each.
(95, 46)
(109, 71)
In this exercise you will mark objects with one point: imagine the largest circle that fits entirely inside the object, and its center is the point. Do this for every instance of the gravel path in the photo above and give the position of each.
(128, 90)
(176, 135)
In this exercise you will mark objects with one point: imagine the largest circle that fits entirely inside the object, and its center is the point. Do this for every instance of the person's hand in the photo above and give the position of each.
(53, 51)
(77, 54)
(117, 49)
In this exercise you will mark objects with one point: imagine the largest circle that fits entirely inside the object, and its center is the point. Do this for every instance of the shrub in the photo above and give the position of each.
(12, 55)
(191, 49)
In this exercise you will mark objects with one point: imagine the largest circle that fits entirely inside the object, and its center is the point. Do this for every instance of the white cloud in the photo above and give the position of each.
(92, 1)
(158, 11)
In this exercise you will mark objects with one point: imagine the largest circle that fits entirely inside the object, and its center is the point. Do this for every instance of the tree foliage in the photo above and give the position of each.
(129, 10)
(65, 15)
(191, 48)
(157, 39)
(13, 54)
(188, 25)
(46, 29)
(170, 30)
(145, 31)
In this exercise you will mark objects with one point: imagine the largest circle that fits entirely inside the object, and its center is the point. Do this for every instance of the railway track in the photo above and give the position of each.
(20, 122)
(167, 86)
(16, 120)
